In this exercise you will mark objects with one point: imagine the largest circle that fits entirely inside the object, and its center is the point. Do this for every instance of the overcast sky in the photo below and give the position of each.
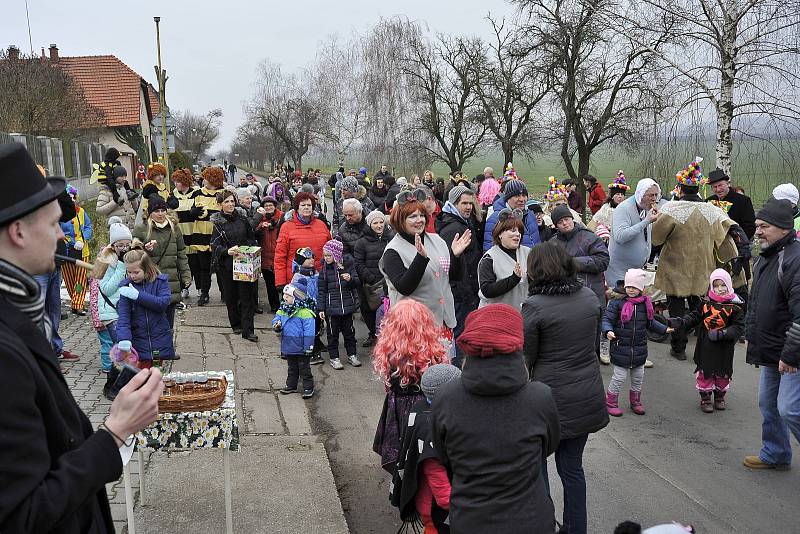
(210, 49)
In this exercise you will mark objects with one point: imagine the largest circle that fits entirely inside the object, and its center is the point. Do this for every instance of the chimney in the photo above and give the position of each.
(13, 52)
(53, 53)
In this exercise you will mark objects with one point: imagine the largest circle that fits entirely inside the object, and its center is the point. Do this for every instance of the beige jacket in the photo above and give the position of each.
(108, 208)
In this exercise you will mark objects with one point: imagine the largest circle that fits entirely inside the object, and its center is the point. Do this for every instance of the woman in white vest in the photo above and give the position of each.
(420, 265)
(502, 275)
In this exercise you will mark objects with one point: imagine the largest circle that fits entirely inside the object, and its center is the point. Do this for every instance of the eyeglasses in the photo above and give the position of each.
(508, 213)
(417, 195)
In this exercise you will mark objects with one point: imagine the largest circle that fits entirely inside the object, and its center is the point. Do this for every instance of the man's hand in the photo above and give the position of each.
(786, 368)
(136, 406)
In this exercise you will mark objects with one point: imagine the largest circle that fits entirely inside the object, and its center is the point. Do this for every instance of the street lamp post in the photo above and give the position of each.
(162, 102)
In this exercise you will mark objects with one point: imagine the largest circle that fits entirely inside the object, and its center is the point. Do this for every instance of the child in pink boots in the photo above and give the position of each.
(628, 317)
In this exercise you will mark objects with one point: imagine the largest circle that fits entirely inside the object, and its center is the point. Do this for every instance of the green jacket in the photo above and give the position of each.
(169, 255)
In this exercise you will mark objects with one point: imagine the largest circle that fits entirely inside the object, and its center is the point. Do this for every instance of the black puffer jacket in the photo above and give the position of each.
(772, 325)
(232, 230)
(560, 331)
(348, 233)
(368, 252)
(335, 295)
(447, 226)
(378, 196)
(493, 428)
(629, 349)
(590, 255)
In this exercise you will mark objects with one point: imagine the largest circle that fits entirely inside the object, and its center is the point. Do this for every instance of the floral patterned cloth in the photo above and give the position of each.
(195, 430)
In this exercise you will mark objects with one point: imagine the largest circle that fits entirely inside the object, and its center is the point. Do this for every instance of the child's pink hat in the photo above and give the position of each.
(635, 278)
(721, 274)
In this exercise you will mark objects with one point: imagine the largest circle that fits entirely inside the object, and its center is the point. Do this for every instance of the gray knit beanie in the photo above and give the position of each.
(436, 375)
(457, 191)
(349, 184)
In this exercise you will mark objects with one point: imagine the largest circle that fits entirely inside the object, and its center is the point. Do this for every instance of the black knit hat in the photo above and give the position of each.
(112, 154)
(25, 187)
(155, 203)
(777, 213)
(560, 212)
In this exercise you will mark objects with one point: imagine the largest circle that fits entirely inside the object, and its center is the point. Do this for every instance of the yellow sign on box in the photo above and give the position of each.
(247, 264)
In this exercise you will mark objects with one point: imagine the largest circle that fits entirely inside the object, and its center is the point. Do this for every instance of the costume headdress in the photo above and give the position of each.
(692, 174)
(619, 182)
(510, 173)
(555, 191)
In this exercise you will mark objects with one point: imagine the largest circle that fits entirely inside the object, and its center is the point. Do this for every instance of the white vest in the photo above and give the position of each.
(503, 268)
(434, 288)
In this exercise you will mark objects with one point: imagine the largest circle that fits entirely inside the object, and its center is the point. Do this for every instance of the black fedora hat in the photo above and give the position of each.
(717, 175)
(25, 188)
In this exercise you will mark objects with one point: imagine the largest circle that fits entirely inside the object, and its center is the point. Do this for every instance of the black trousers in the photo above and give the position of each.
(272, 291)
(299, 367)
(677, 307)
(367, 314)
(319, 346)
(239, 301)
(194, 268)
(341, 324)
(202, 280)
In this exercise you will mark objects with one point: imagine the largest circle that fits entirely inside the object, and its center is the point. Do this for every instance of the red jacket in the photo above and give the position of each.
(269, 239)
(293, 235)
(433, 484)
(430, 226)
(596, 198)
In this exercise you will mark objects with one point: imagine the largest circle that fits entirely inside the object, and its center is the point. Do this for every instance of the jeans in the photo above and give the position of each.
(462, 309)
(107, 338)
(299, 367)
(341, 324)
(779, 400)
(677, 308)
(569, 463)
(51, 287)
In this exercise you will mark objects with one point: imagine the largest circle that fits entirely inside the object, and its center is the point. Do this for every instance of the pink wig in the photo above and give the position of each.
(409, 343)
(489, 189)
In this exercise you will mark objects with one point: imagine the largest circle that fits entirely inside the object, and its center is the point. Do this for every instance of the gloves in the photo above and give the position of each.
(129, 291)
(196, 212)
(132, 195)
(172, 202)
(716, 334)
(78, 245)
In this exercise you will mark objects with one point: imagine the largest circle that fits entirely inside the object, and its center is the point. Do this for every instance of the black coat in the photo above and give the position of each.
(560, 334)
(350, 233)
(378, 196)
(368, 252)
(741, 212)
(53, 467)
(391, 196)
(335, 295)
(772, 325)
(230, 231)
(629, 348)
(447, 226)
(492, 429)
(716, 357)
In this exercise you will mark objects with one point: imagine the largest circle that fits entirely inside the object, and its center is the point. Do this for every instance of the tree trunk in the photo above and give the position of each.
(508, 155)
(584, 156)
(724, 147)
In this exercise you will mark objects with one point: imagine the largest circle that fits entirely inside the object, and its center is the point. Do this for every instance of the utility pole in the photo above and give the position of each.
(162, 103)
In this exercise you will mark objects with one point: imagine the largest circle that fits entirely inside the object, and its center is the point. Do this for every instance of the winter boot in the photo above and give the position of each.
(636, 402)
(719, 400)
(612, 404)
(705, 402)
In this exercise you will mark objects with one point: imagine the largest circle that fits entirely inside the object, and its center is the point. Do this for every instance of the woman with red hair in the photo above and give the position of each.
(304, 229)
(154, 185)
(409, 343)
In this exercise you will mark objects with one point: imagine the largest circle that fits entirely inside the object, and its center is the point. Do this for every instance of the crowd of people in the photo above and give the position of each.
(478, 298)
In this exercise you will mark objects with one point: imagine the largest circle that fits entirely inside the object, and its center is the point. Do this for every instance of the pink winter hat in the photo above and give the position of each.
(635, 278)
(721, 274)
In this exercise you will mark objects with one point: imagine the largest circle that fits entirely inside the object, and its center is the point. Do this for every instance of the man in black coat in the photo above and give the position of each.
(741, 209)
(352, 229)
(457, 216)
(772, 329)
(53, 465)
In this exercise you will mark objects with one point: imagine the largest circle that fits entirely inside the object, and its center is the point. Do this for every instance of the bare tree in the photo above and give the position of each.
(41, 99)
(442, 75)
(196, 133)
(510, 85)
(741, 57)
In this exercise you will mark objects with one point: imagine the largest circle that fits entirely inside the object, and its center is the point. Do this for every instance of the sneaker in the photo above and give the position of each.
(337, 364)
(185, 293)
(316, 359)
(67, 355)
(353, 360)
(288, 391)
(369, 341)
(648, 364)
(237, 330)
(308, 393)
(605, 359)
(754, 462)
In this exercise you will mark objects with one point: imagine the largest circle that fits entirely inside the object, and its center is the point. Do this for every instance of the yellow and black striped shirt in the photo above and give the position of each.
(185, 221)
(207, 199)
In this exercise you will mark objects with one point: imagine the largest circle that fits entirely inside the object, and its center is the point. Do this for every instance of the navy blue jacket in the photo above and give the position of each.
(629, 349)
(336, 296)
(144, 321)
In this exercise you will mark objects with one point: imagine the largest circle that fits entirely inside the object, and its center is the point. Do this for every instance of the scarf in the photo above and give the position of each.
(630, 305)
(290, 309)
(720, 298)
(25, 294)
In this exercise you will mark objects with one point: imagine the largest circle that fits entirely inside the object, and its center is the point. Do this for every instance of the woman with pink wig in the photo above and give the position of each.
(409, 343)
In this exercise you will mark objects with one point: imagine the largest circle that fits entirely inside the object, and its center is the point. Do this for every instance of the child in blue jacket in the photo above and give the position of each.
(304, 268)
(142, 308)
(337, 300)
(295, 323)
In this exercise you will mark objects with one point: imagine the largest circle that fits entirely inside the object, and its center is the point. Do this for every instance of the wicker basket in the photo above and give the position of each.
(193, 397)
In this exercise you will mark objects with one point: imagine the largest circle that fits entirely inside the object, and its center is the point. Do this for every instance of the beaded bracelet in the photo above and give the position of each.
(104, 426)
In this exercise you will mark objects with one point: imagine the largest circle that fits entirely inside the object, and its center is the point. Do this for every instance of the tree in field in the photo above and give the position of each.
(195, 133)
(603, 82)
(739, 56)
(510, 87)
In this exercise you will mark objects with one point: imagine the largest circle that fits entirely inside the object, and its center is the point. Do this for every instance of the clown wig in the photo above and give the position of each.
(409, 343)
(183, 177)
(154, 169)
(488, 190)
(214, 177)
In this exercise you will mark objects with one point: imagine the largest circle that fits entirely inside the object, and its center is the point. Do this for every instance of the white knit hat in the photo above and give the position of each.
(787, 192)
(373, 215)
(118, 231)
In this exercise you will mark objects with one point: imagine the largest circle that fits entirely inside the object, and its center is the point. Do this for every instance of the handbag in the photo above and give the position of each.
(373, 295)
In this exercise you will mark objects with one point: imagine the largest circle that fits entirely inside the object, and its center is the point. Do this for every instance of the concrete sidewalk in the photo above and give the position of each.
(281, 477)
